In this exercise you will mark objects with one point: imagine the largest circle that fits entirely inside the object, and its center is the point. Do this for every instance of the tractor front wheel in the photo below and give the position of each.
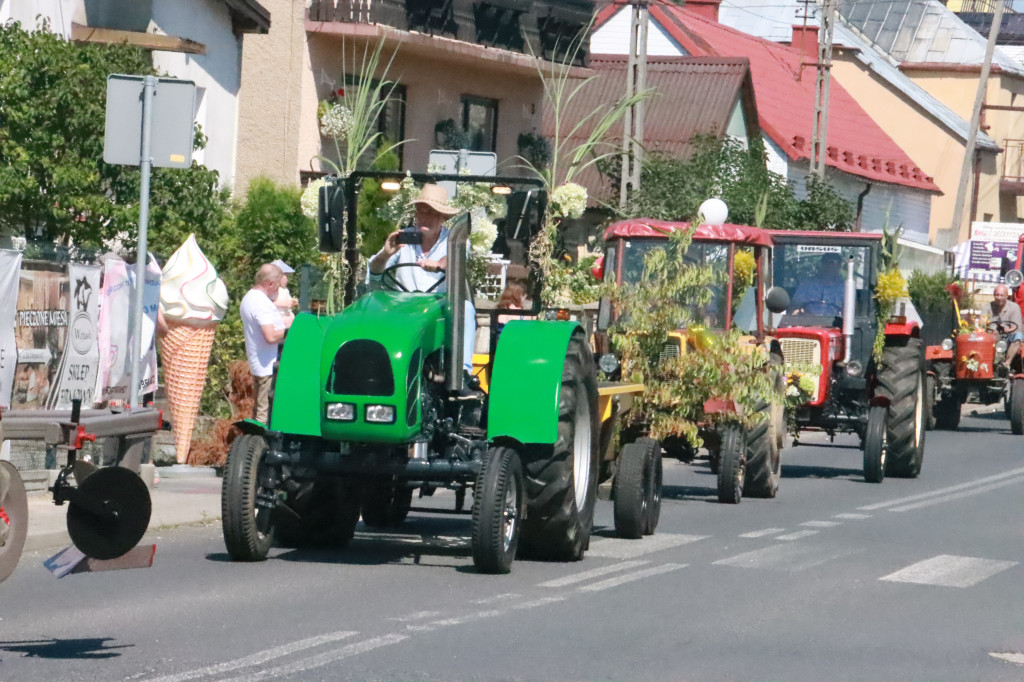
(901, 380)
(497, 511)
(637, 489)
(732, 464)
(239, 514)
(764, 464)
(875, 445)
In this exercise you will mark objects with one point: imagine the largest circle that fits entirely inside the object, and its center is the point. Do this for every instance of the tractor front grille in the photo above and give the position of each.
(669, 350)
(802, 353)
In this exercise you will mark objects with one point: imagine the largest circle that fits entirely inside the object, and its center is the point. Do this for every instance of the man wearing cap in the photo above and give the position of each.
(432, 210)
(823, 294)
(284, 300)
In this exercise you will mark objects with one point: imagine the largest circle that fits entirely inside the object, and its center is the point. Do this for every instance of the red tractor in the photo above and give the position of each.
(828, 333)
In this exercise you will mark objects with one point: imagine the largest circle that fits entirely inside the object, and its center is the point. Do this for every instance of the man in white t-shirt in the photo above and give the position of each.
(264, 330)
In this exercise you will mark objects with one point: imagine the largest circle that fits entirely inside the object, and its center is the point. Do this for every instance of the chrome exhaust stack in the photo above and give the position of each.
(849, 307)
(458, 291)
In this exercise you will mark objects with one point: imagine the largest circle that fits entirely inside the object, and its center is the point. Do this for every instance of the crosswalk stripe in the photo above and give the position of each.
(943, 491)
(637, 575)
(852, 517)
(761, 533)
(821, 524)
(785, 557)
(947, 570)
(593, 573)
(619, 548)
(797, 535)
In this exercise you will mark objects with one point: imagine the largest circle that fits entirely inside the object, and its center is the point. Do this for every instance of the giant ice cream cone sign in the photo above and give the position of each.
(193, 301)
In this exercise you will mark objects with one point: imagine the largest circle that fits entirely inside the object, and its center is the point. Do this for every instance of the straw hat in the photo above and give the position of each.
(436, 197)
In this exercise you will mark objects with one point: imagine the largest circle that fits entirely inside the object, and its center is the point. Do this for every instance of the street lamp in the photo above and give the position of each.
(713, 211)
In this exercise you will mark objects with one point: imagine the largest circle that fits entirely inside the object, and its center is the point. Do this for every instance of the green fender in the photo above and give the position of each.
(527, 375)
(296, 408)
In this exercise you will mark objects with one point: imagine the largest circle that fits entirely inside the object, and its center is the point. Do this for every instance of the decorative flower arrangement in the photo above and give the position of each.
(973, 321)
(891, 287)
(335, 120)
(743, 269)
(568, 200)
(310, 200)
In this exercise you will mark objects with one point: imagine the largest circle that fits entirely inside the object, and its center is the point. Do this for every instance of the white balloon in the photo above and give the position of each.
(714, 211)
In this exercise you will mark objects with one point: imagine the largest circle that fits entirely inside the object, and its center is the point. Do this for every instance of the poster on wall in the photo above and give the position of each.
(40, 328)
(116, 329)
(79, 363)
(991, 248)
(10, 264)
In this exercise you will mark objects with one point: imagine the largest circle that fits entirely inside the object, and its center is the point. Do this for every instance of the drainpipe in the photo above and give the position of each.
(860, 203)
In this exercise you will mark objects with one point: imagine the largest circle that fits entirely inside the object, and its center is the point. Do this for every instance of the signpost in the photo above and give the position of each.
(136, 105)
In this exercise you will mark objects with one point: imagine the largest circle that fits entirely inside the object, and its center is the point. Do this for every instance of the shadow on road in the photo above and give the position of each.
(689, 492)
(806, 471)
(80, 649)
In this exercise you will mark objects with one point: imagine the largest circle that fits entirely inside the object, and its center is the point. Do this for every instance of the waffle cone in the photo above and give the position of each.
(186, 355)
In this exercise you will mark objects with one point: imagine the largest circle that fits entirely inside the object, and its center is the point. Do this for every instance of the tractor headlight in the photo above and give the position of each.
(380, 414)
(1001, 346)
(947, 344)
(608, 363)
(854, 368)
(341, 412)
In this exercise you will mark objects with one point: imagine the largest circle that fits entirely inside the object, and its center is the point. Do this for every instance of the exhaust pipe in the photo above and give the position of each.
(457, 293)
(849, 306)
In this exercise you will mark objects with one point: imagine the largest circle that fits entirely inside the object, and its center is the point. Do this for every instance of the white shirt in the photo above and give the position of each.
(257, 310)
(418, 279)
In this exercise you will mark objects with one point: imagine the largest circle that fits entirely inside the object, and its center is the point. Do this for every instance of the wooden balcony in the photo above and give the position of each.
(1012, 179)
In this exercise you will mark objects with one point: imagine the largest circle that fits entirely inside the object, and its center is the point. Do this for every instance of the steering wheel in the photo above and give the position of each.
(1001, 327)
(389, 279)
(822, 308)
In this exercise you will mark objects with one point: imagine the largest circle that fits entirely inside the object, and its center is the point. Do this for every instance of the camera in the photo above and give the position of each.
(410, 235)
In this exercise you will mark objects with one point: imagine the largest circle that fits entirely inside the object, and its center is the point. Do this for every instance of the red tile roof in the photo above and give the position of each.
(785, 98)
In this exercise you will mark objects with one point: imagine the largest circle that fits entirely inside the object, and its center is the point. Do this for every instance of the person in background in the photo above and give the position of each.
(284, 300)
(264, 328)
(1006, 312)
(823, 294)
(513, 296)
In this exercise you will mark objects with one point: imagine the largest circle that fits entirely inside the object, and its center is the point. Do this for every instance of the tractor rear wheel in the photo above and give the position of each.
(732, 464)
(497, 511)
(875, 445)
(239, 513)
(1017, 406)
(323, 514)
(637, 489)
(763, 462)
(901, 380)
(385, 504)
(947, 413)
(561, 479)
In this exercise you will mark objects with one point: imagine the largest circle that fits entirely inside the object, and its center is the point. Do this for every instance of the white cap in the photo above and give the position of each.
(284, 266)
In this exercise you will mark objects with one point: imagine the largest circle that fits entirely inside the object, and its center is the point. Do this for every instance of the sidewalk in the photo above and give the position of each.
(184, 495)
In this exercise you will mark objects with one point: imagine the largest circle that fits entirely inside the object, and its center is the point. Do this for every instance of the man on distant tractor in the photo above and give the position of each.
(822, 294)
(1006, 315)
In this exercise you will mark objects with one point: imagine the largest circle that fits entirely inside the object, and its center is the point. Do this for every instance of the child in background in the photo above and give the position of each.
(284, 300)
(512, 297)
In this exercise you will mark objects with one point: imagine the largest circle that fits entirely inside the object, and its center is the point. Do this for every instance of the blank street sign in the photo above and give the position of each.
(172, 118)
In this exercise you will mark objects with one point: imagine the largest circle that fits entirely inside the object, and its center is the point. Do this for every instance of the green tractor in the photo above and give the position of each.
(371, 404)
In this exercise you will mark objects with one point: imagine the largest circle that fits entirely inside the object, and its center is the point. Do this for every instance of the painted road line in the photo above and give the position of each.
(761, 533)
(593, 573)
(852, 517)
(957, 496)
(257, 659)
(323, 659)
(797, 535)
(947, 570)
(943, 491)
(787, 557)
(821, 524)
(455, 620)
(619, 548)
(1008, 656)
(419, 615)
(509, 596)
(638, 575)
(534, 603)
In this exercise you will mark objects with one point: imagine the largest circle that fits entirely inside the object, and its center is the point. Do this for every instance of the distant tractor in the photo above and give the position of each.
(746, 461)
(830, 335)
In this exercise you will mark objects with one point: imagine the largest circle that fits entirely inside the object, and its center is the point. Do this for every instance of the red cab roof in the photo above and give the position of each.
(646, 227)
(838, 236)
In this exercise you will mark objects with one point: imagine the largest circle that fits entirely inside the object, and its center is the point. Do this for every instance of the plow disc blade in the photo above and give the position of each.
(110, 513)
(14, 514)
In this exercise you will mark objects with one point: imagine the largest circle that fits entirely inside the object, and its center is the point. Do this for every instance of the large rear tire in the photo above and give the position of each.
(239, 514)
(901, 380)
(498, 505)
(732, 464)
(1017, 406)
(763, 462)
(875, 445)
(561, 479)
(637, 489)
(328, 512)
(14, 506)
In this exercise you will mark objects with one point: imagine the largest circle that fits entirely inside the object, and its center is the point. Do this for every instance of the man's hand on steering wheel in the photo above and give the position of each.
(389, 279)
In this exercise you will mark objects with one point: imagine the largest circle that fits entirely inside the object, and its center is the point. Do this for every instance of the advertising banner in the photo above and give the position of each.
(40, 328)
(992, 247)
(79, 364)
(10, 265)
(116, 327)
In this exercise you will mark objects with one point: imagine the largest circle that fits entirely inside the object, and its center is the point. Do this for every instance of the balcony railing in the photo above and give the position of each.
(545, 28)
(1012, 180)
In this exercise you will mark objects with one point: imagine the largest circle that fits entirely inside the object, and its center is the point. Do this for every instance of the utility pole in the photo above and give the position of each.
(633, 120)
(819, 132)
(947, 239)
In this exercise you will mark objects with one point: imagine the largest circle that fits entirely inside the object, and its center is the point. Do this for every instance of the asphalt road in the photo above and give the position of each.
(836, 579)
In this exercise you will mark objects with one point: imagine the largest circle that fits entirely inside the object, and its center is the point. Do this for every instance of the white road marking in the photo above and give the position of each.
(618, 548)
(1011, 657)
(543, 601)
(787, 557)
(762, 533)
(323, 659)
(797, 535)
(456, 620)
(419, 615)
(947, 570)
(257, 659)
(956, 496)
(852, 517)
(638, 575)
(593, 573)
(497, 598)
(943, 491)
(821, 524)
